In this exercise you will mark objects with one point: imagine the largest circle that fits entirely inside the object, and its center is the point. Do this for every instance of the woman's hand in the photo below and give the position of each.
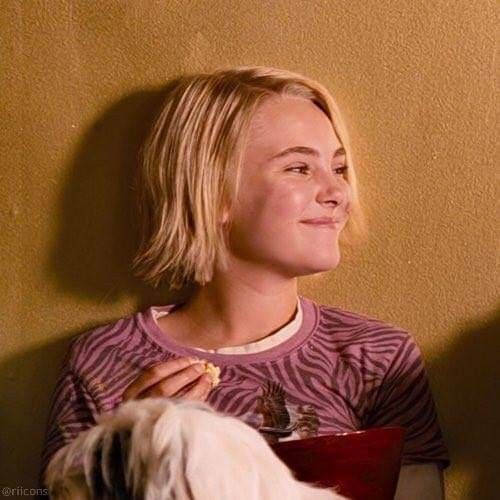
(182, 377)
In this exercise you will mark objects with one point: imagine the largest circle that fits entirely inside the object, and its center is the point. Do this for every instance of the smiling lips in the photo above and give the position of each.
(322, 222)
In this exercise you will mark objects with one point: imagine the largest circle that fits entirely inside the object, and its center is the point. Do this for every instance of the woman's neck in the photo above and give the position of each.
(226, 313)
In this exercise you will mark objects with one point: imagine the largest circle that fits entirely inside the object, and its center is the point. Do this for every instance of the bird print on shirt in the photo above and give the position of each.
(281, 421)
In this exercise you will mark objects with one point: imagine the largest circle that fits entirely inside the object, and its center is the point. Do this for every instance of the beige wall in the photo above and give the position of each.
(415, 80)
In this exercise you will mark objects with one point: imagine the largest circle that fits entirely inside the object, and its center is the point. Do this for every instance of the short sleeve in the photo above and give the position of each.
(72, 411)
(404, 399)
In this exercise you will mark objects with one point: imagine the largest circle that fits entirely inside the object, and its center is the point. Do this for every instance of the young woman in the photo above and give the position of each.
(246, 183)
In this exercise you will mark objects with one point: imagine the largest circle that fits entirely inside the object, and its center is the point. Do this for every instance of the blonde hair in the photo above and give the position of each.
(190, 167)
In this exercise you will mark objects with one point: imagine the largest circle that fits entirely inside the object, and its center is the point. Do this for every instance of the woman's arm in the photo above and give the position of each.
(420, 481)
(72, 411)
(404, 399)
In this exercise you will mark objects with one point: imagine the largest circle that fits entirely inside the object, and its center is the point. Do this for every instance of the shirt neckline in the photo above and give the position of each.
(263, 344)
(310, 317)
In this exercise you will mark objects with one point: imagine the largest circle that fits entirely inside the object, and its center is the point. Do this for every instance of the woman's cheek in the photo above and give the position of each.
(287, 203)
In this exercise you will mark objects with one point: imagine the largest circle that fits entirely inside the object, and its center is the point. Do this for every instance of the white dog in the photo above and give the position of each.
(169, 448)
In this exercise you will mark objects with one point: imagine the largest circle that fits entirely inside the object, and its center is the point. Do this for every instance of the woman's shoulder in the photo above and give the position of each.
(353, 324)
(361, 337)
(102, 337)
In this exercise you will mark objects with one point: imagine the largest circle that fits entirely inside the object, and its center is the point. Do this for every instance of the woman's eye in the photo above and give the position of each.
(302, 168)
(341, 170)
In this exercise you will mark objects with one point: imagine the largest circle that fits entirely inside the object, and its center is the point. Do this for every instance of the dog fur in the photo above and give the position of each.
(169, 448)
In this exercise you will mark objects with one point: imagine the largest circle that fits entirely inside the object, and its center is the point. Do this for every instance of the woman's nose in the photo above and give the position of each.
(333, 188)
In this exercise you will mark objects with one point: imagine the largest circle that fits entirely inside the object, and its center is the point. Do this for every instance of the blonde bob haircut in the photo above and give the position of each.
(190, 167)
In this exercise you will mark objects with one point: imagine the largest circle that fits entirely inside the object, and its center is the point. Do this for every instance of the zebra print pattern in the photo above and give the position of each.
(340, 372)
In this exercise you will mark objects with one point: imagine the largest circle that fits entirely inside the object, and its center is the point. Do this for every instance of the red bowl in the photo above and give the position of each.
(361, 465)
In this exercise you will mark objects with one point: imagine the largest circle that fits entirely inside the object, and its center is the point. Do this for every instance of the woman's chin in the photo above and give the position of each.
(321, 265)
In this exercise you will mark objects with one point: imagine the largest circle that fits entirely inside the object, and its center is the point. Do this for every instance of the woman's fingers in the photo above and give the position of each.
(200, 390)
(169, 386)
(156, 374)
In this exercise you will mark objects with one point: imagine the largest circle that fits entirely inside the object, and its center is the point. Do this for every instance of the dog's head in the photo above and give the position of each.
(168, 448)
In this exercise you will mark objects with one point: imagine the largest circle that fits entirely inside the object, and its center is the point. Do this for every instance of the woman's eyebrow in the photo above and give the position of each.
(306, 151)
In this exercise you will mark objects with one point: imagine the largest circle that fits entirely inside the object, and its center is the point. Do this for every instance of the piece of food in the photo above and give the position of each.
(213, 371)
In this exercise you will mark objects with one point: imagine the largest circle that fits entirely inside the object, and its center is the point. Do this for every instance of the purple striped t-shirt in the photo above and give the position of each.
(339, 372)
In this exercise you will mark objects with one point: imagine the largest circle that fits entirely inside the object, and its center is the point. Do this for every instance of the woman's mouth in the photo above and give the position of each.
(323, 222)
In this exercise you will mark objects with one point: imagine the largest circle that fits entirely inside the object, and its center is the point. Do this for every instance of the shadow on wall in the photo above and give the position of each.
(91, 260)
(96, 234)
(471, 369)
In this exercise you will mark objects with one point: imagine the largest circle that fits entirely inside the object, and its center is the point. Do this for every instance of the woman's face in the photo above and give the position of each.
(280, 190)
